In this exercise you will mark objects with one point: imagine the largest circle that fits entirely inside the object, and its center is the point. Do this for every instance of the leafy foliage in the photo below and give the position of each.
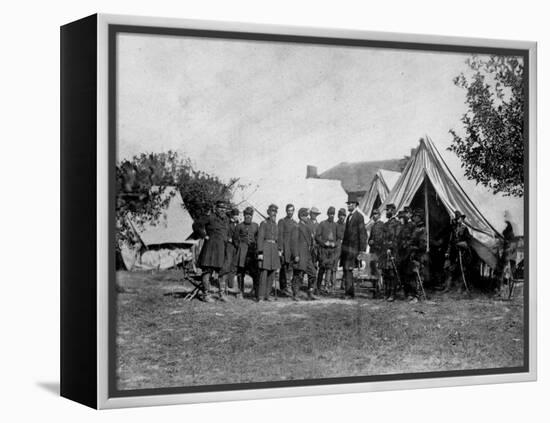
(492, 149)
(141, 189)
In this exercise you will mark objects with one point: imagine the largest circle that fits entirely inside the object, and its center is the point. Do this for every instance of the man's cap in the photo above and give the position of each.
(249, 211)
(458, 214)
(407, 209)
(289, 205)
(272, 207)
(353, 198)
(314, 210)
(375, 211)
(342, 212)
(331, 210)
(235, 212)
(401, 213)
(390, 206)
(303, 212)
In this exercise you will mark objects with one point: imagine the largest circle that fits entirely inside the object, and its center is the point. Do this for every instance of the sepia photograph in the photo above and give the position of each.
(298, 211)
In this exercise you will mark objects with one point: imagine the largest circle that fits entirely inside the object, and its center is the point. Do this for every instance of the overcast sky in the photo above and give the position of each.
(251, 109)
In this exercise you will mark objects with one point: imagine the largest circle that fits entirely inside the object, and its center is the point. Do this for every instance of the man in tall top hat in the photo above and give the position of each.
(269, 253)
(353, 243)
(325, 237)
(301, 247)
(246, 234)
(285, 226)
(388, 262)
(214, 230)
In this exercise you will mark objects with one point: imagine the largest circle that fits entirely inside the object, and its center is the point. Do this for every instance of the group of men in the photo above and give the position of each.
(398, 247)
(399, 250)
(312, 250)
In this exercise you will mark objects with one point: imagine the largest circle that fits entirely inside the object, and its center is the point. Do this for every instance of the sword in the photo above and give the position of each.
(420, 283)
(462, 271)
(395, 270)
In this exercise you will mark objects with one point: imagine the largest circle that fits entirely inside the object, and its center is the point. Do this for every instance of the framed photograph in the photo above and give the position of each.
(254, 211)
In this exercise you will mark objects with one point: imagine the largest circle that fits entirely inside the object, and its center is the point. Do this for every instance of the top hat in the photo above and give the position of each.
(353, 198)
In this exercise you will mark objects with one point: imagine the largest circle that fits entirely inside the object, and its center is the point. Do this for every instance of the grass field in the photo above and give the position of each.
(164, 341)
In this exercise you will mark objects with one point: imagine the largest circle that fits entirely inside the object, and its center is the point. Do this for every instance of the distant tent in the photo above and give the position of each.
(380, 187)
(307, 192)
(164, 243)
(427, 183)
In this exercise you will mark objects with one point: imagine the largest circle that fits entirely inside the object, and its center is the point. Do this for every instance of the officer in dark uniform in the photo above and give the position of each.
(325, 238)
(269, 252)
(458, 255)
(376, 247)
(388, 262)
(416, 257)
(403, 247)
(340, 227)
(301, 246)
(214, 230)
(285, 227)
(229, 268)
(246, 234)
(314, 224)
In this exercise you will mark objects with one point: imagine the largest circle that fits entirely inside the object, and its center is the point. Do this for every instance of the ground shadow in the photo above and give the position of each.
(51, 387)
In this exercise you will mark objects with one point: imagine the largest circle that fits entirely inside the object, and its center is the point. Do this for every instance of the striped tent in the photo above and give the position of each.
(380, 187)
(427, 183)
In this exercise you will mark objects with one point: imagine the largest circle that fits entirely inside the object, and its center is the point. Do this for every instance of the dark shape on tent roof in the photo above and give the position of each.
(357, 177)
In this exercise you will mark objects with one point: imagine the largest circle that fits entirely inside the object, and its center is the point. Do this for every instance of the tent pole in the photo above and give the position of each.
(427, 213)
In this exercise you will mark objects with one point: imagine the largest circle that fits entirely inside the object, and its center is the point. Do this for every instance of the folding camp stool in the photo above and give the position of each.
(197, 287)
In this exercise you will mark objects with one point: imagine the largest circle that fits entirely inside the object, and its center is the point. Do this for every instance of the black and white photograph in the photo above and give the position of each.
(291, 212)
